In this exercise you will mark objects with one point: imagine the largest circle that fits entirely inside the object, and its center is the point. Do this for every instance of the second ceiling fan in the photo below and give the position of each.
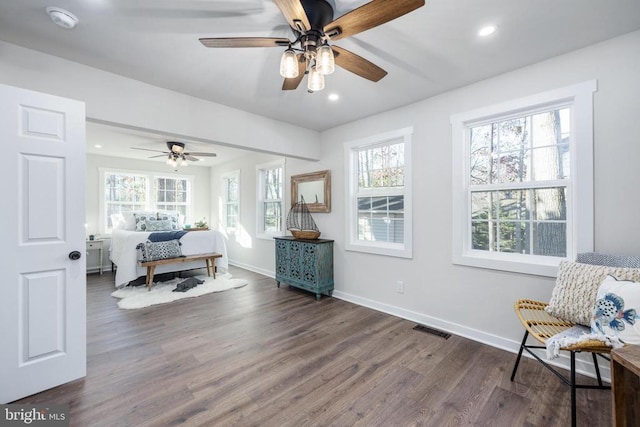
(314, 26)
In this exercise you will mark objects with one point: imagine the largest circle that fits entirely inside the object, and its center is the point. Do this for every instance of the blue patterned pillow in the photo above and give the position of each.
(151, 251)
(141, 219)
(159, 225)
(173, 217)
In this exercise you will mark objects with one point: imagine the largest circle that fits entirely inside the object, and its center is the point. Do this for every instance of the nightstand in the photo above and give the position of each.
(95, 245)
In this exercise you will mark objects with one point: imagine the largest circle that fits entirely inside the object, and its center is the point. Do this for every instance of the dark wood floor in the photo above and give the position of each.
(263, 356)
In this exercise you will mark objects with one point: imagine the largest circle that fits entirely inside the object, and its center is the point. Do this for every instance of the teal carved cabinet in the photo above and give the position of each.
(305, 264)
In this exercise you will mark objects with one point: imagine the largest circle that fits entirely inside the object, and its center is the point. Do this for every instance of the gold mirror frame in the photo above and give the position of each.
(316, 189)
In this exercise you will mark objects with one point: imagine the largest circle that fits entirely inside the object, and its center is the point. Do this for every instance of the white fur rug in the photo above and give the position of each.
(162, 292)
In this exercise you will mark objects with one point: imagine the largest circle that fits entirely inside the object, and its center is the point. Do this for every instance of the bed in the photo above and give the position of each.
(125, 255)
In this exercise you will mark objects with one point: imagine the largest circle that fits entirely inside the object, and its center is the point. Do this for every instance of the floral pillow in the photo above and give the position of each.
(173, 217)
(142, 218)
(159, 225)
(617, 310)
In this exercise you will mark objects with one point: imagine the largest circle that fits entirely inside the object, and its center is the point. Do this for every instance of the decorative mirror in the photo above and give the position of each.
(315, 187)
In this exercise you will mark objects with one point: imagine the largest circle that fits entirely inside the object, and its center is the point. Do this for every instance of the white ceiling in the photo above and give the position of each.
(429, 51)
(122, 142)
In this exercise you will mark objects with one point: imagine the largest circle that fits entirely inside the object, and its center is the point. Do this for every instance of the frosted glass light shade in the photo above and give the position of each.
(315, 81)
(325, 63)
(289, 64)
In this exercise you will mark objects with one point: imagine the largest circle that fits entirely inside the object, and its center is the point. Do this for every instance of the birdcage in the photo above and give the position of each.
(300, 223)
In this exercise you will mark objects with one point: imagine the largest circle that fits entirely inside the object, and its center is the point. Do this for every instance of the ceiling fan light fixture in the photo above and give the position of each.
(315, 82)
(168, 162)
(289, 64)
(183, 162)
(325, 63)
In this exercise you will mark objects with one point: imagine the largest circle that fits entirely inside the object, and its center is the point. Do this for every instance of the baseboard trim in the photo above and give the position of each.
(583, 366)
(262, 271)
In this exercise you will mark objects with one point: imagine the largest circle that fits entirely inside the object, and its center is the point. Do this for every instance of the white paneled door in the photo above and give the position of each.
(43, 285)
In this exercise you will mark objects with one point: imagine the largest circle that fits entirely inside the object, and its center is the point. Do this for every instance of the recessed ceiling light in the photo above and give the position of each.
(487, 31)
(333, 97)
(62, 18)
(98, 146)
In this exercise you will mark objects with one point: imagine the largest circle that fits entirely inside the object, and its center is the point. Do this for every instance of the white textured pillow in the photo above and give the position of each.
(616, 311)
(129, 220)
(574, 294)
(117, 221)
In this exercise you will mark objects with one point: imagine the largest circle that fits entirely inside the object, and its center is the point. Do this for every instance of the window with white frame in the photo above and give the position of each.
(231, 200)
(378, 194)
(523, 198)
(171, 194)
(124, 191)
(270, 196)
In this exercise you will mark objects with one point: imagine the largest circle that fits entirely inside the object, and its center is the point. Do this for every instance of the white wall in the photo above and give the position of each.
(111, 98)
(243, 247)
(472, 301)
(201, 187)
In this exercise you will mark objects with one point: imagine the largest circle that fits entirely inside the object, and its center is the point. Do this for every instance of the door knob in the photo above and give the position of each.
(74, 255)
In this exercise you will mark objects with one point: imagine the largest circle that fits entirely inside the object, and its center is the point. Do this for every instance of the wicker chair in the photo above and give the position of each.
(542, 326)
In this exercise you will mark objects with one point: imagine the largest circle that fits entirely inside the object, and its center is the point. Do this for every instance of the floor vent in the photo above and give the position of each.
(431, 331)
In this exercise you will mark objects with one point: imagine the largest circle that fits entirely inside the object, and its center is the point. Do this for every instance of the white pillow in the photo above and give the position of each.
(117, 221)
(129, 220)
(617, 308)
(576, 287)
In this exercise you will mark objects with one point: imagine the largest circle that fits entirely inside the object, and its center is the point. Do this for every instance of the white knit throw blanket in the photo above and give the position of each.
(576, 335)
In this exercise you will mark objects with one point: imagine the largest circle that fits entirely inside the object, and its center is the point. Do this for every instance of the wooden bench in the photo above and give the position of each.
(210, 260)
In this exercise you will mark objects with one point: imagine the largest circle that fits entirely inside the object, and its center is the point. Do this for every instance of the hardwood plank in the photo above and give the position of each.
(268, 356)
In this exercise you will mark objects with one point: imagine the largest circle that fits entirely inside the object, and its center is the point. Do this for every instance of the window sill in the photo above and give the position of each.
(386, 250)
(534, 265)
(269, 236)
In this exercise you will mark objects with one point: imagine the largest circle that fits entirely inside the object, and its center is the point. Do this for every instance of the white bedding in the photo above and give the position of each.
(125, 255)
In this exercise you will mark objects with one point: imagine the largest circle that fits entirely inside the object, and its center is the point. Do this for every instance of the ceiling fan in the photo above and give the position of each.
(176, 152)
(313, 25)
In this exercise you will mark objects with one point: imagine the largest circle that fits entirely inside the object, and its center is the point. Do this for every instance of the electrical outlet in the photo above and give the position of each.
(400, 287)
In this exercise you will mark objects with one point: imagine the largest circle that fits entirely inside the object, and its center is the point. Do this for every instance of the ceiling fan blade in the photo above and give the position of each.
(159, 155)
(295, 14)
(293, 83)
(245, 42)
(370, 15)
(146, 149)
(357, 64)
(190, 157)
(201, 154)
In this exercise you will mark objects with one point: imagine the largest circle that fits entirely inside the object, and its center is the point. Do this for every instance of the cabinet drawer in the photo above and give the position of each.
(94, 245)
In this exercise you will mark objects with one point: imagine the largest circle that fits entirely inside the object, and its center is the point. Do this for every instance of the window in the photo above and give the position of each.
(519, 203)
(124, 191)
(231, 200)
(270, 188)
(171, 194)
(378, 196)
